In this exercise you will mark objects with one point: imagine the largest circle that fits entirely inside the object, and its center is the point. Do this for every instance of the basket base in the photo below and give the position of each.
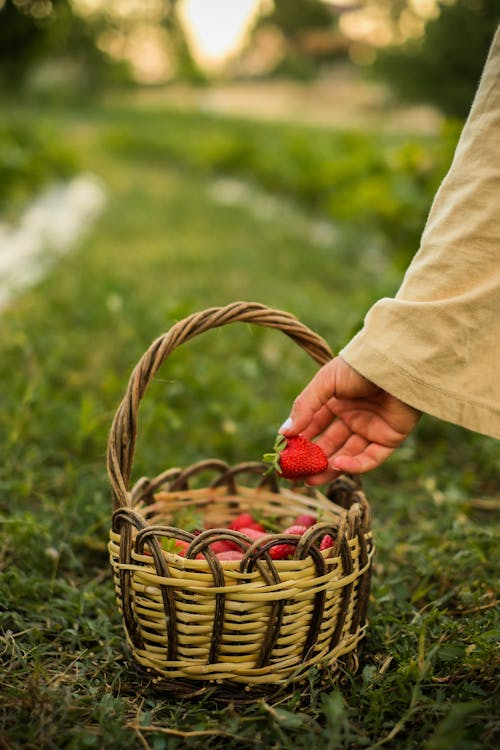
(225, 691)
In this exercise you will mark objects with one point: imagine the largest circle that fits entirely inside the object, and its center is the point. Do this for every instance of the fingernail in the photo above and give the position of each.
(287, 425)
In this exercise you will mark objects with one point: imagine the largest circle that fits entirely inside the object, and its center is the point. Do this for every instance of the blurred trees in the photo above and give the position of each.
(89, 44)
(33, 32)
(430, 52)
(186, 68)
(308, 35)
(443, 67)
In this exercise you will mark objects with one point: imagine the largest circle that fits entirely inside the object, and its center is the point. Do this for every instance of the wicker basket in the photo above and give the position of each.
(194, 622)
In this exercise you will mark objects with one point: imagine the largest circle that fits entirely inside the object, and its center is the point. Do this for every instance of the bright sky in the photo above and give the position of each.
(216, 29)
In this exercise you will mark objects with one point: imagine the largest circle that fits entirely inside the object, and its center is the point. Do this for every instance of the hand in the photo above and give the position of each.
(359, 424)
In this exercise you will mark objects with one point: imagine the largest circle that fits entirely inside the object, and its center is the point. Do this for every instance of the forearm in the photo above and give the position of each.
(436, 345)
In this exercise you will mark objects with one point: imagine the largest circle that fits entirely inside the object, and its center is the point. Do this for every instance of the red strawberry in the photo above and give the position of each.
(251, 532)
(305, 520)
(177, 546)
(245, 520)
(326, 542)
(258, 527)
(296, 457)
(254, 534)
(221, 546)
(282, 551)
(295, 528)
(230, 554)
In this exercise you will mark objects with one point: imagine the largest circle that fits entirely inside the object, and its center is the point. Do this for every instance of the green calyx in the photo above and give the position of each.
(274, 457)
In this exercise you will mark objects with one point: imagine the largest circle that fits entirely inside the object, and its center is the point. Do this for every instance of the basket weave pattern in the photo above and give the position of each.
(194, 620)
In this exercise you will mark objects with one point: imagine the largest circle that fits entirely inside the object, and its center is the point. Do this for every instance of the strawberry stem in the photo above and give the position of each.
(274, 457)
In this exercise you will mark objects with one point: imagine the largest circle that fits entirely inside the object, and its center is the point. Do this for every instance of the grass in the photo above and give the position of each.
(163, 249)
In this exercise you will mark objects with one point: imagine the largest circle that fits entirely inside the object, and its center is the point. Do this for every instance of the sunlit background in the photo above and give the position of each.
(400, 67)
(219, 32)
(88, 45)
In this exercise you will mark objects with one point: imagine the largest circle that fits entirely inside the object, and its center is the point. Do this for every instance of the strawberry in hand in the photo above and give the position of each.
(296, 458)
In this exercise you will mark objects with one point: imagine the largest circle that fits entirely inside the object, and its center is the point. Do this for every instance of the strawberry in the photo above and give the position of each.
(295, 528)
(221, 546)
(230, 554)
(326, 542)
(254, 534)
(296, 457)
(283, 551)
(245, 520)
(305, 520)
(176, 546)
(250, 531)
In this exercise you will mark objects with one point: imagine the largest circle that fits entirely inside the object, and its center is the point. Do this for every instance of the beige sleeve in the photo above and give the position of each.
(436, 344)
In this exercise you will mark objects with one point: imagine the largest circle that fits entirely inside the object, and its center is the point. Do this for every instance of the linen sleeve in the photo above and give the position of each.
(436, 344)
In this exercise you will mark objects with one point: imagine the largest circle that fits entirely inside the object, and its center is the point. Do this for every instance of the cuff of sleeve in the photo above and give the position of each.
(426, 396)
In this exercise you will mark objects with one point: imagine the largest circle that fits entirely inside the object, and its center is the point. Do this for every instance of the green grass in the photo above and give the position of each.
(162, 250)
(30, 155)
(384, 182)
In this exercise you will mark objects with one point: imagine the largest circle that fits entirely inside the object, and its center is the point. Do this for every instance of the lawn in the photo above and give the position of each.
(175, 238)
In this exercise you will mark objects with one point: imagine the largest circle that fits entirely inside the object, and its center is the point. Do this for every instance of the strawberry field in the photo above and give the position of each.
(203, 211)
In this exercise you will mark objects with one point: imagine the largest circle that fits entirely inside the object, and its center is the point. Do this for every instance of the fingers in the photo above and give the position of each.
(370, 457)
(337, 437)
(323, 420)
(312, 410)
(310, 414)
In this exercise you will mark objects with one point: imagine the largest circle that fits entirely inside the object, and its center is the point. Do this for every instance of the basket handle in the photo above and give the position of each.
(121, 443)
